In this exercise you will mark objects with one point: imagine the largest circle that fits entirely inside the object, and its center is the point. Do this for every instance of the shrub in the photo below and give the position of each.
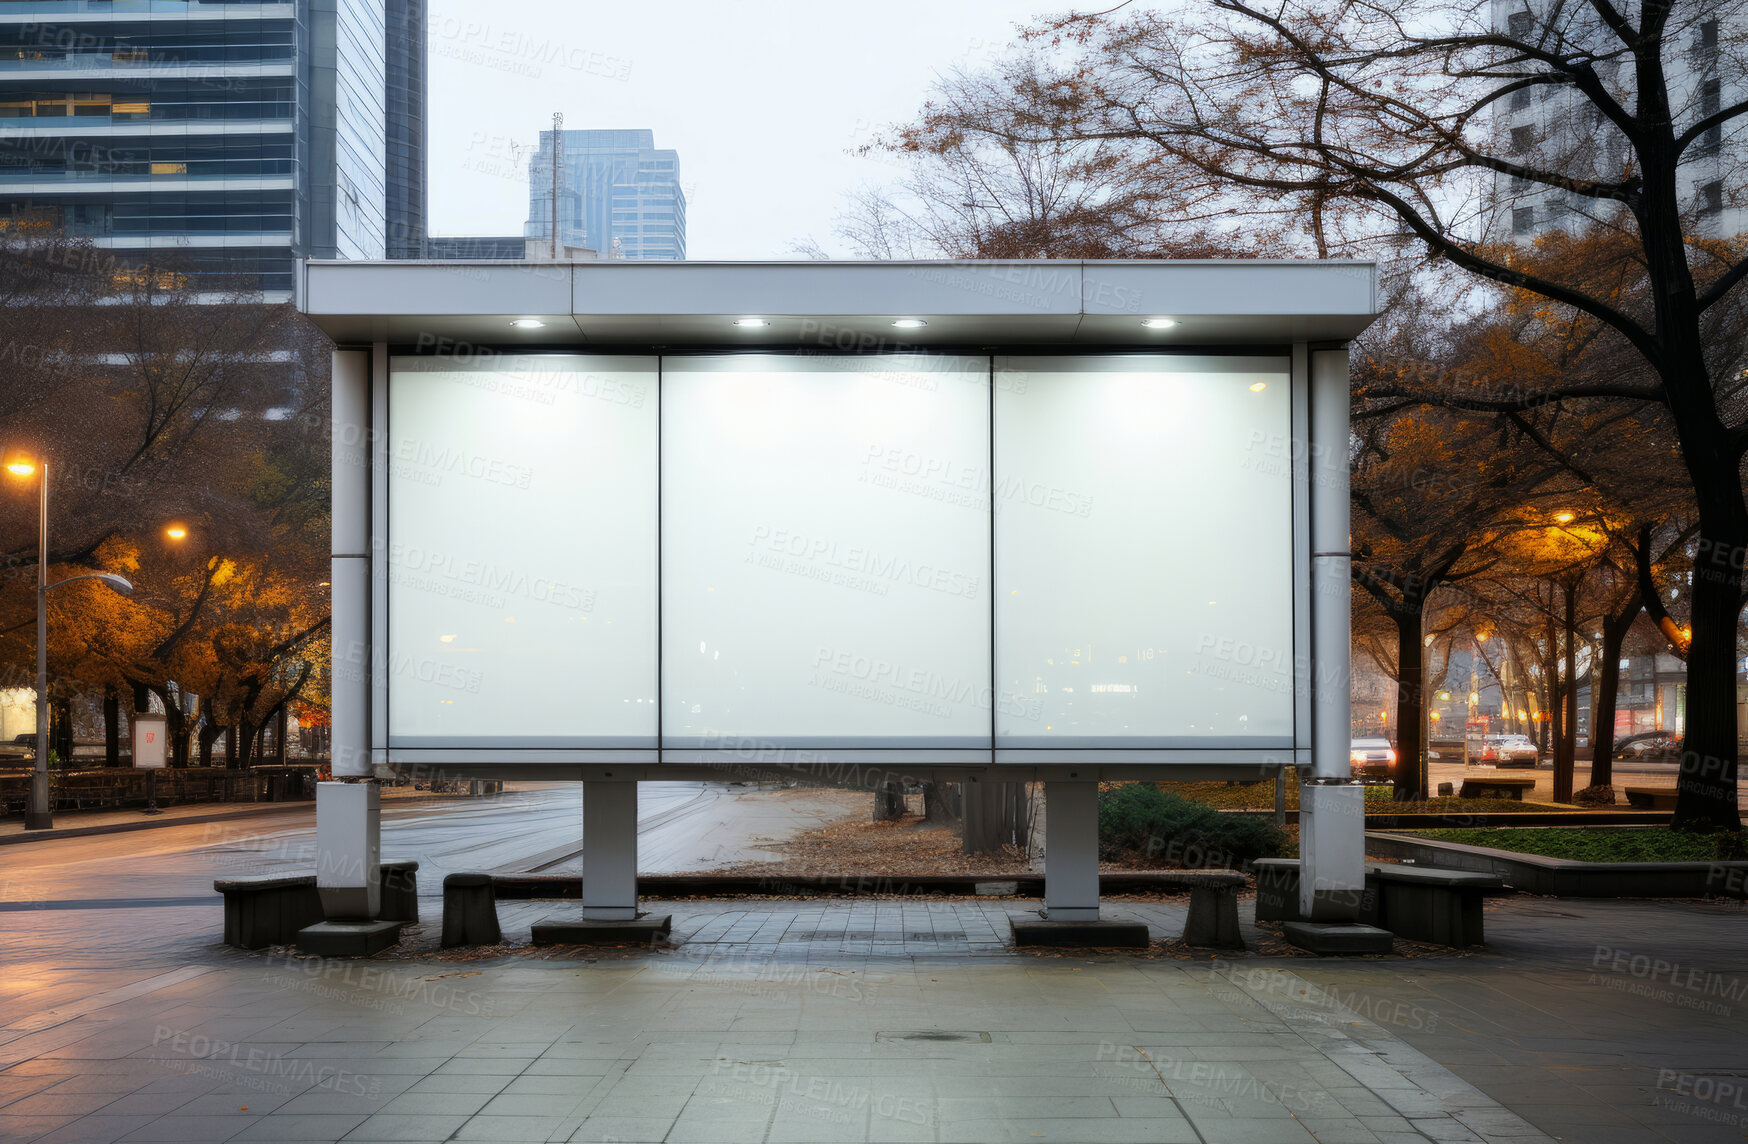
(1138, 821)
(1595, 796)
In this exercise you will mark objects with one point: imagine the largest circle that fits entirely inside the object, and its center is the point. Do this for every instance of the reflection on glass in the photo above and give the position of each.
(1144, 551)
(825, 551)
(522, 552)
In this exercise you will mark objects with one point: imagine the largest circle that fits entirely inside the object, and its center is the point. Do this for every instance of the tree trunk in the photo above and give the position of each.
(941, 803)
(279, 729)
(231, 747)
(111, 725)
(61, 729)
(1566, 707)
(995, 816)
(208, 735)
(1410, 700)
(1706, 787)
(246, 732)
(888, 802)
(1605, 689)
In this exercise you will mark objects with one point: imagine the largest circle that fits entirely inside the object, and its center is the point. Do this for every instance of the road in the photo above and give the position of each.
(1625, 774)
(121, 902)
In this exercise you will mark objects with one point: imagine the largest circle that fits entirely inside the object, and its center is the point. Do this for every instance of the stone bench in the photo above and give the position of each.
(1651, 797)
(399, 883)
(1415, 902)
(1277, 893)
(470, 911)
(268, 909)
(1439, 906)
(1213, 920)
(1495, 786)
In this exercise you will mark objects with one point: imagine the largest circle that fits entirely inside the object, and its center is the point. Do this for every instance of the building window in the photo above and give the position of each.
(1520, 99)
(1708, 36)
(1711, 198)
(1523, 220)
(1519, 24)
(1521, 139)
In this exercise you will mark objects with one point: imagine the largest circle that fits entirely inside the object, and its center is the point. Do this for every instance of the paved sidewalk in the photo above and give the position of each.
(777, 1021)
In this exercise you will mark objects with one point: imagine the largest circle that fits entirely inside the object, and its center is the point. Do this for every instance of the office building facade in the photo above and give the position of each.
(1554, 127)
(225, 139)
(617, 194)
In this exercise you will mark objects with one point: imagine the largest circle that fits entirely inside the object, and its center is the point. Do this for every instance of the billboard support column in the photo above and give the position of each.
(1071, 851)
(609, 851)
(1332, 806)
(348, 815)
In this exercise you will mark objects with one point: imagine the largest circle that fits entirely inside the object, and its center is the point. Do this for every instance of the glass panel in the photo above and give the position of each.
(825, 551)
(522, 551)
(1144, 576)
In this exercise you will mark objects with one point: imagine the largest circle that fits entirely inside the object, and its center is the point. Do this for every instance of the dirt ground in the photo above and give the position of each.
(856, 845)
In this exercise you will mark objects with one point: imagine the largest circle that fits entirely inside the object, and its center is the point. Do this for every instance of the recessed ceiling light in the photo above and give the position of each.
(751, 322)
(1259, 387)
(1159, 323)
(528, 323)
(909, 323)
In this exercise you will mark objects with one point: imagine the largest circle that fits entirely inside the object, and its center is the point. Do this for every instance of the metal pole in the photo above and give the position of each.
(1281, 797)
(38, 815)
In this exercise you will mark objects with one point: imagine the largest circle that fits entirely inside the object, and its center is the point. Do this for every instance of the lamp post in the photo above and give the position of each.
(37, 815)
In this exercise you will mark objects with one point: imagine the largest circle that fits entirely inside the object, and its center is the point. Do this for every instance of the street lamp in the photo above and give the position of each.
(36, 814)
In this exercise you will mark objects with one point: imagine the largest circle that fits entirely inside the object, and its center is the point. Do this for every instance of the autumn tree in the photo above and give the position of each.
(1394, 125)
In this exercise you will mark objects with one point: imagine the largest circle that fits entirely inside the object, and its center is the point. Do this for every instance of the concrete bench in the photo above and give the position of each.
(1213, 920)
(1439, 906)
(1651, 797)
(1277, 893)
(399, 882)
(1495, 786)
(268, 909)
(470, 911)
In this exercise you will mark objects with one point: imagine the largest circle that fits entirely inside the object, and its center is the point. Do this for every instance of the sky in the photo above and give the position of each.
(763, 101)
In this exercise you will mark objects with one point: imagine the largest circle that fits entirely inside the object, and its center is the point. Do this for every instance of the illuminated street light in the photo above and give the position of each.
(37, 814)
(176, 532)
(1564, 517)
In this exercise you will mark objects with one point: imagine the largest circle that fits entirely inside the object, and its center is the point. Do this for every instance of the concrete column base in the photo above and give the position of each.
(609, 851)
(349, 850)
(1108, 933)
(1332, 849)
(1071, 851)
(650, 929)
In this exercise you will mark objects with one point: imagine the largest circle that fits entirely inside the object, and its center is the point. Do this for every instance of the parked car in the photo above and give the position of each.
(1372, 758)
(1650, 747)
(1505, 751)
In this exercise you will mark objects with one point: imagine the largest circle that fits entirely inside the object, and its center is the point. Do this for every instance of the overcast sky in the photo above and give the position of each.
(762, 100)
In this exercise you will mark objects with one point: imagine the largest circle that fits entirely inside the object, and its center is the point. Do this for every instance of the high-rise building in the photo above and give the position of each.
(1554, 127)
(405, 56)
(617, 194)
(224, 137)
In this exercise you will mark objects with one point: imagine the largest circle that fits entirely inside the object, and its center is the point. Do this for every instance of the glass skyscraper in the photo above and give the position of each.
(226, 138)
(617, 195)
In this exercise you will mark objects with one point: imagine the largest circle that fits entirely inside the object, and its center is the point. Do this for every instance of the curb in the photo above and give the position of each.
(188, 820)
(129, 827)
